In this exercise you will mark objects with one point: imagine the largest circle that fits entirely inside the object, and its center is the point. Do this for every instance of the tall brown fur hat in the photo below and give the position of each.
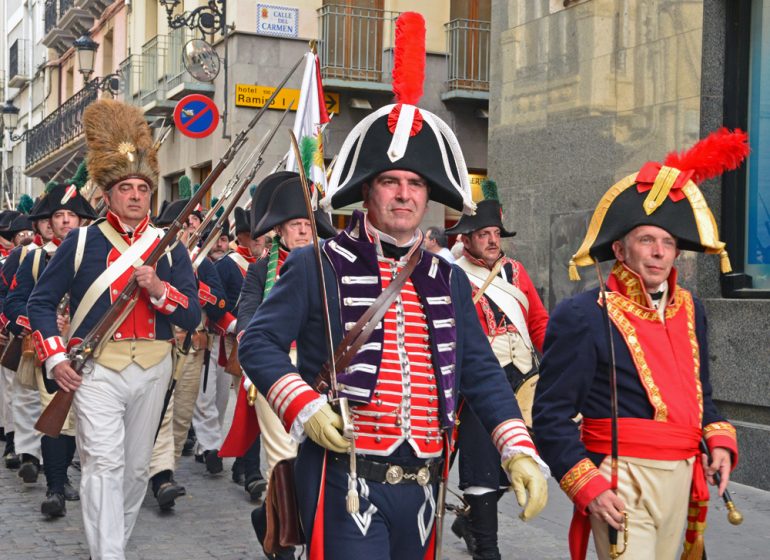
(120, 144)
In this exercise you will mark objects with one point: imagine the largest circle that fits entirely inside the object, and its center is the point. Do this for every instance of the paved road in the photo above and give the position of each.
(212, 521)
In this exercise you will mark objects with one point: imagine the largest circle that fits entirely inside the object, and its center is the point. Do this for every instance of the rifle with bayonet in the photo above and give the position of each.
(53, 417)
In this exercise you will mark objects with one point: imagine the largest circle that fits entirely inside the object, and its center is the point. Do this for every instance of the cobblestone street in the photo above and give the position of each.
(212, 521)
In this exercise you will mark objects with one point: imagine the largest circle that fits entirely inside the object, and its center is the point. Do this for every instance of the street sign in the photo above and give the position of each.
(249, 95)
(196, 116)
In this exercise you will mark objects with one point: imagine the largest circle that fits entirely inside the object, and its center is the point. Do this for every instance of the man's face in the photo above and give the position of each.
(396, 201)
(221, 246)
(649, 251)
(430, 244)
(130, 200)
(258, 246)
(24, 237)
(484, 244)
(44, 229)
(63, 221)
(192, 223)
(295, 233)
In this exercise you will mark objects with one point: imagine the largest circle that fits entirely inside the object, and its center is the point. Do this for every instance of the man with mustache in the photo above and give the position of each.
(513, 319)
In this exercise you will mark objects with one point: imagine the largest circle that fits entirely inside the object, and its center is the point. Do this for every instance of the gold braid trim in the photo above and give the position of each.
(578, 476)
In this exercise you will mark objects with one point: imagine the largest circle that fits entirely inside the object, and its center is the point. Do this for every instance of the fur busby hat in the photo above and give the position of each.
(260, 199)
(65, 196)
(402, 136)
(120, 144)
(489, 213)
(666, 196)
(288, 203)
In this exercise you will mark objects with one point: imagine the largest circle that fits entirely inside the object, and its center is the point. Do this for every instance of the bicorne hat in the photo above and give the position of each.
(64, 196)
(666, 196)
(288, 203)
(260, 199)
(489, 213)
(403, 136)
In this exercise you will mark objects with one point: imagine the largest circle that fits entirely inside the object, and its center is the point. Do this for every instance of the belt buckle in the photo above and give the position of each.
(394, 474)
(423, 476)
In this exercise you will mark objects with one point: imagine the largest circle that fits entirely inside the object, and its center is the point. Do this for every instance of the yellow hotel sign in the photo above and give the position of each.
(249, 95)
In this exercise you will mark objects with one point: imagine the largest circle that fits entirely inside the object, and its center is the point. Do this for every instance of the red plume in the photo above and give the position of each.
(409, 63)
(718, 152)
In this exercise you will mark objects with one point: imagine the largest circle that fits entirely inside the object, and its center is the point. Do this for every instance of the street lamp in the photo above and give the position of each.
(85, 47)
(209, 18)
(10, 120)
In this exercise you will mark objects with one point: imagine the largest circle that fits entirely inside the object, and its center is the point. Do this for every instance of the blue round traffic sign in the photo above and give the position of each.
(196, 115)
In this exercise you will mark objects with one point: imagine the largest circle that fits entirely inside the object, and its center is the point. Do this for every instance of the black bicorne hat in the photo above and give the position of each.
(225, 229)
(242, 223)
(288, 203)
(403, 136)
(489, 213)
(6, 217)
(260, 200)
(666, 196)
(62, 196)
(20, 223)
(169, 211)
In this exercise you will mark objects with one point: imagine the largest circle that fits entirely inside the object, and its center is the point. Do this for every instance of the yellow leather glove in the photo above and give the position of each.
(324, 428)
(526, 478)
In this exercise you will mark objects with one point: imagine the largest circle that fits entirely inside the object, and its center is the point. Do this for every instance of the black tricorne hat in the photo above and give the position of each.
(242, 223)
(489, 213)
(288, 203)
(62, 196)
(666, 196)
(6, 217)
(20, 223)
(260, 200)
(169, 211)
(403, 136)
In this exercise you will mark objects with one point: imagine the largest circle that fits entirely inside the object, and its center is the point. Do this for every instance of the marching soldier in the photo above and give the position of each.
(21, 231)
(513, 318)
(655, 355)
(279, 202)
(403, 382)
(64, 208)
(118, 401)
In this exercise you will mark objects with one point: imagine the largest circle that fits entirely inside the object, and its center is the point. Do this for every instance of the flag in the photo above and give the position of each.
(310, 118)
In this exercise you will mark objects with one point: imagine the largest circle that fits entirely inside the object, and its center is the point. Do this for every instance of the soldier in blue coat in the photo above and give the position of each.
(118, 402)
(403, 383)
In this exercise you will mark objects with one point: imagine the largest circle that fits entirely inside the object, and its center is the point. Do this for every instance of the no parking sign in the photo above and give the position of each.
(196, 116)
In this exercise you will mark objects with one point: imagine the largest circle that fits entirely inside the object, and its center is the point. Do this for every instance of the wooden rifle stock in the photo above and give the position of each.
(55, 414)
(12, 354)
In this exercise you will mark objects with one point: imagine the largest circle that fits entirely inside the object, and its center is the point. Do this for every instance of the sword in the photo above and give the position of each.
(341, 402)
(612, 532)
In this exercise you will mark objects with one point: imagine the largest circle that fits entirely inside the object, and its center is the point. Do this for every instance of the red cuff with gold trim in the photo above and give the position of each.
(3, 321)
(47, 347)
(173, 298)
(204, 294)
(288, 396)
(583, 483)
(512, 433)
(722, 434)
(23, 322)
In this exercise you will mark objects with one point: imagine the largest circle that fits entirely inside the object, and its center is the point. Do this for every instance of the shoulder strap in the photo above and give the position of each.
(364, 327)
(80, 248)
(36, 264)
(132, 256)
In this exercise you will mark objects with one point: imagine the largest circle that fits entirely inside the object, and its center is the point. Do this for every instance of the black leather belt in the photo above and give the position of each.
(374, 471)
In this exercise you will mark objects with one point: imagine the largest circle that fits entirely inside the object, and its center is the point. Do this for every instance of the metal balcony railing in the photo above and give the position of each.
(60, 127)
(175, 72)
(152, 83)
(50, 15)
(353, 42)
(11, 182)
(467, 54)
(130, 71)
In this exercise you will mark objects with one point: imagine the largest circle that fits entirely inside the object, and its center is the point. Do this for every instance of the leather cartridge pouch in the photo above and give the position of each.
(283, 524)
(28, 364)
(233, 366)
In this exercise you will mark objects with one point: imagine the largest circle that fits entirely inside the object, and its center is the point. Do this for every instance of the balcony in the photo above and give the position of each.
(11, 178)
(467, 60)
(64, 21)
(18, 63)
(60, 129)
(178, 80)
(355, 47)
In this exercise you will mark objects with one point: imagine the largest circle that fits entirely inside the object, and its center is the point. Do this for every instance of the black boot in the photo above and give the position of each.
(483, 525)
(53, 505)
(462, 528)
(187, 448)
(30, 468)
(213, 461)
(166, 490)
(239, 471)
(12, 460)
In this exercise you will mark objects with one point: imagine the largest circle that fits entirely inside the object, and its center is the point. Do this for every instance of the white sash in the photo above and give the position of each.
(504, 294)
(131, 256)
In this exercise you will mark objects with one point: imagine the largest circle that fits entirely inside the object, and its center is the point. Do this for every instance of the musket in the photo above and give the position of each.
(63, 167)
(352, 502)
(236, 195)
(53, 417)
(612, 532)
